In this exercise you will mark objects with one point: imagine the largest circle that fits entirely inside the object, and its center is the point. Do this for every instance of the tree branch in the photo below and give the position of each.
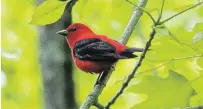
(164, 21)
(93, 96)
(133, 21)
(142, 10)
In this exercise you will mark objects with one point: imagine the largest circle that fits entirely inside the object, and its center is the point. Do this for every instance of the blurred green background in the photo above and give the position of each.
(165, 80)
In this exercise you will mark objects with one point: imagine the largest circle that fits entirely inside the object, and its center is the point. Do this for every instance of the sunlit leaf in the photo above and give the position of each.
(173, 91)
(48, 12)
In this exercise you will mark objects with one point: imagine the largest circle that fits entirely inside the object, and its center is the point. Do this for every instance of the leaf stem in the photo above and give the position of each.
(162, 7)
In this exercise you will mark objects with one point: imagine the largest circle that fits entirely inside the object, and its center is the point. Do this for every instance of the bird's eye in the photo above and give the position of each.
(73, 29)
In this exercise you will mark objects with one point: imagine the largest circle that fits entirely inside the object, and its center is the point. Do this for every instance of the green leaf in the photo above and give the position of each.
(198, 36)
(171, 92)
(48, 12)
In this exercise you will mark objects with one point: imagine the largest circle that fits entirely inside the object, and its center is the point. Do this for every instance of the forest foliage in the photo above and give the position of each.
(171, 74)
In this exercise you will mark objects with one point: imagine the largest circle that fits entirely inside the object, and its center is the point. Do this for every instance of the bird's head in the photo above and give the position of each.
(75, 30)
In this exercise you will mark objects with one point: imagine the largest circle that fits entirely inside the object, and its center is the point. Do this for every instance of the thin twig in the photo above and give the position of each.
(162, 7)
(142, 10)
(93, 96)
(131, 75)
(164, 21)
(187, 57)
(196, 50)
(173, 59)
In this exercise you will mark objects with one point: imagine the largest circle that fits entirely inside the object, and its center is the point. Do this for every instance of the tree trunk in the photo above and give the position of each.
(56, 64)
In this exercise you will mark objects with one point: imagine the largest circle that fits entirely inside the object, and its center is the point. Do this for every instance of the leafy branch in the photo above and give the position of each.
(93, 96)
(147, 46)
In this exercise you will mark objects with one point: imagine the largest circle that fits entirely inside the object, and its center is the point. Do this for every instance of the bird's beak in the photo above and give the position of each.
(62, 32)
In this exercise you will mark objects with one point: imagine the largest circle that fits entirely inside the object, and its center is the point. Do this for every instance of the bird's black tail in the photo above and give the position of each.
(128, 53)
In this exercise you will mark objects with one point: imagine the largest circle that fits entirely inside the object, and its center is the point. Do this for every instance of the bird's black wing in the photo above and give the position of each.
(95, 50)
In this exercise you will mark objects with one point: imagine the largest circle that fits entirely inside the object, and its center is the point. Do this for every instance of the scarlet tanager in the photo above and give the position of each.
(94, 53)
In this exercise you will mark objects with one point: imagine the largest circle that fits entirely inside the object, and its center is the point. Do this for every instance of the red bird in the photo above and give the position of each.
(94, 53)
